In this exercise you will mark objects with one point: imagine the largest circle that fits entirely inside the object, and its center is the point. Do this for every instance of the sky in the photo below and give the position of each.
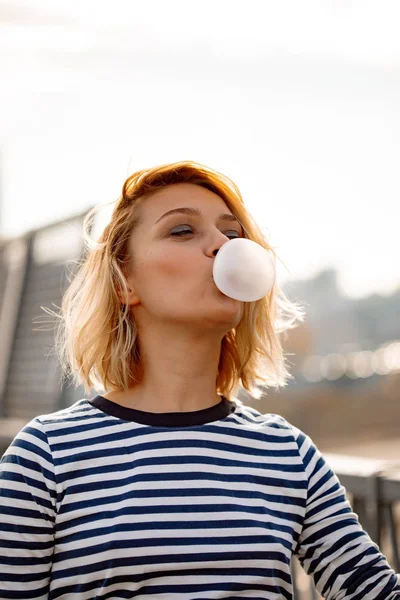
(297, 102)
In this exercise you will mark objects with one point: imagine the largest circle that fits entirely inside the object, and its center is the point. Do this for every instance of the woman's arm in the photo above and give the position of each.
(27, 515)
(341, 557)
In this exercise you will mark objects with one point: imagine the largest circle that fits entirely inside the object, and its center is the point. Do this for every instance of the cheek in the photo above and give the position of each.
(167, 265)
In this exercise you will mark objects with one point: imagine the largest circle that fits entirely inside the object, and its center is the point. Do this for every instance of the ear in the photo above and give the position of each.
(131, 299)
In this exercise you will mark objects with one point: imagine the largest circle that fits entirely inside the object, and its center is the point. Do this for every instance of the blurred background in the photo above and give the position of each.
(298, 102)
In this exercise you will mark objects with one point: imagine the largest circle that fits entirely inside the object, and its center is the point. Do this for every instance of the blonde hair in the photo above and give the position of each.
(97, 338)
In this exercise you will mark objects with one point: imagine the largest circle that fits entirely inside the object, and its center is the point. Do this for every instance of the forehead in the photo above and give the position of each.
(172, 196)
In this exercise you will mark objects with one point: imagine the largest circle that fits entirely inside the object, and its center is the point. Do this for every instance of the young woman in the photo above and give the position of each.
(164, 484)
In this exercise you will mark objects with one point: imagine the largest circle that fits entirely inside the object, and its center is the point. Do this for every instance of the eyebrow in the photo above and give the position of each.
(195, 212)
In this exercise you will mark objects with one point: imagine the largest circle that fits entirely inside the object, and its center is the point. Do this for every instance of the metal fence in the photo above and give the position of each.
(34, 271)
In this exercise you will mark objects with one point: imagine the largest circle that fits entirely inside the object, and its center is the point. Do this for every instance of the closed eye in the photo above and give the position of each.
(188, 230)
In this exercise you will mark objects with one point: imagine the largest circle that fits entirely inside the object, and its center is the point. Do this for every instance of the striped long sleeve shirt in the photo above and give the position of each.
(99, 501)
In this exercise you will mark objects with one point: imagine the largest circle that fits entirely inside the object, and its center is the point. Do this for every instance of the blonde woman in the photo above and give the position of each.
(164, 484)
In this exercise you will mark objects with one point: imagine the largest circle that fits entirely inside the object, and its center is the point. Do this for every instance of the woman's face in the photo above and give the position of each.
(173, 256)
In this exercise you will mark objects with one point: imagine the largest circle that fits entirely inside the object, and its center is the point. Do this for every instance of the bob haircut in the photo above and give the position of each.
(97, 338)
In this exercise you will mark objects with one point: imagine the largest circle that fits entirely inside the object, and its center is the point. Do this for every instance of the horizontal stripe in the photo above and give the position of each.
(96, 505)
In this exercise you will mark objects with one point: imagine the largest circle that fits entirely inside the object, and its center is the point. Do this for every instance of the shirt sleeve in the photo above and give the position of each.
(333, 548)
(27, 515)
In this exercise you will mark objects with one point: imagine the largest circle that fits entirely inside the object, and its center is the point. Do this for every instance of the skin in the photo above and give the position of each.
(180, 313)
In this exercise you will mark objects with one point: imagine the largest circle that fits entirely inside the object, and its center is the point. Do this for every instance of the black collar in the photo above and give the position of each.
(169, 419)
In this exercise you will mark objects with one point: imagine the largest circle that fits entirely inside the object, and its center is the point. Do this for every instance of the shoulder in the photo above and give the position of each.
(37, 434)
(274, 425)
(271, 424)
(79, 410)
(264, 420)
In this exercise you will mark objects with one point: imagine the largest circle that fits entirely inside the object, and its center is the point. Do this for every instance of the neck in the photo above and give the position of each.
(179, 376)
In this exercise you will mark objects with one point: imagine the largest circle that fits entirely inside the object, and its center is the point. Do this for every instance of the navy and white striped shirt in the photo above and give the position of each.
(100, 501)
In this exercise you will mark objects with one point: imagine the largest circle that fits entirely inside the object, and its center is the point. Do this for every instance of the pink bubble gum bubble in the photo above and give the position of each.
(244, 270)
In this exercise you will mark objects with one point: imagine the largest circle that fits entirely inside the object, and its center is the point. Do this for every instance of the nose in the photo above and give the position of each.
(222, 240)
(215, 242)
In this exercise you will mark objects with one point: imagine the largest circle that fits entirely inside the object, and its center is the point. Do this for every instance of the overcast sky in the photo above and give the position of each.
(298, 102)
